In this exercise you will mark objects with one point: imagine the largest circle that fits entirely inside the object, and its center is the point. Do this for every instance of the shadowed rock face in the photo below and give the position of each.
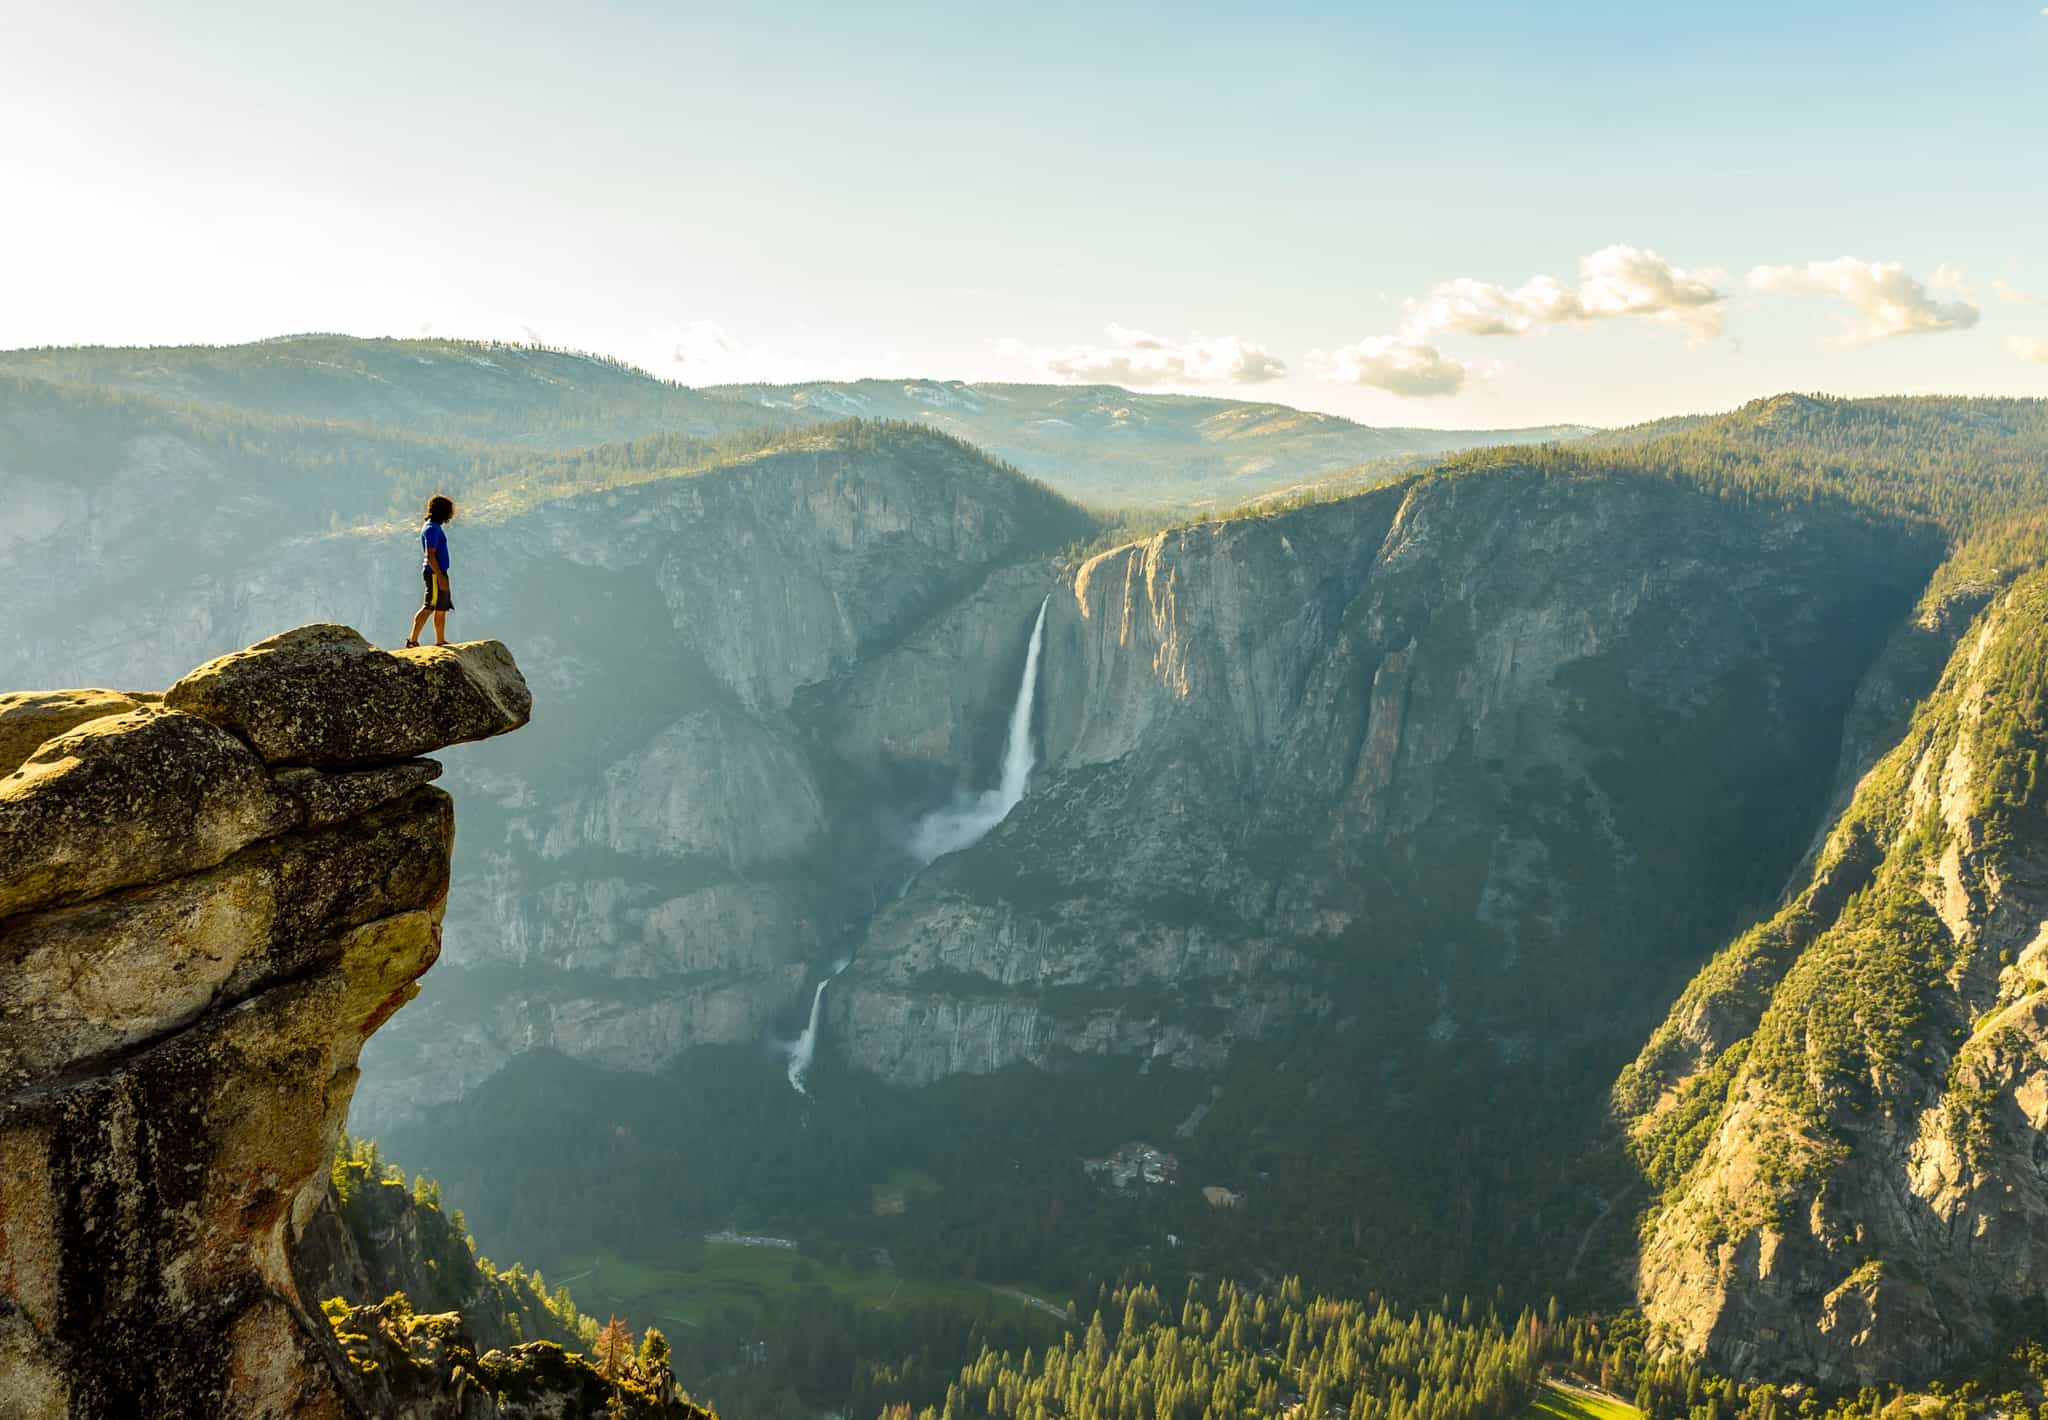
(193, 947)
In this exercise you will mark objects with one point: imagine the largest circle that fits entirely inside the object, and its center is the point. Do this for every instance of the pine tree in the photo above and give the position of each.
(656, 1363)
(614, 1355)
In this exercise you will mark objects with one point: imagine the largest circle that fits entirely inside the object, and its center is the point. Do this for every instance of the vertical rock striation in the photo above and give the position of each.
(206, 906)
(1462, 729)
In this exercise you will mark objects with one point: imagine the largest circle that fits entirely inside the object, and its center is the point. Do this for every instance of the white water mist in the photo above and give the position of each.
(967, 821)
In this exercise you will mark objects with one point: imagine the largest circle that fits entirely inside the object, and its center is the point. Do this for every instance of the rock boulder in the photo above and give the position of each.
(131, 798)
(322, 695)
(28, 719)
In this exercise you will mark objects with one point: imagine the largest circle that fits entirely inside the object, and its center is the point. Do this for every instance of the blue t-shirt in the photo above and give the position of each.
(432, 536)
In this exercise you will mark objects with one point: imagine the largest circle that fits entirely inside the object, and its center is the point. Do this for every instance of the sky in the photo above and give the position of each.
(1453, 215)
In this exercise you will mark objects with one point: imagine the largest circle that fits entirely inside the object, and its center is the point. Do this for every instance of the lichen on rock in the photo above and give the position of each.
(129, 799)
(30, 719)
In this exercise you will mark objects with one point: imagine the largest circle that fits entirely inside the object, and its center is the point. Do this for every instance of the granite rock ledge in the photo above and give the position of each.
(208, 901)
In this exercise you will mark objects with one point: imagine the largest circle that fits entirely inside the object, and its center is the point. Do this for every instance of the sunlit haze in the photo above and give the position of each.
(1453, 215)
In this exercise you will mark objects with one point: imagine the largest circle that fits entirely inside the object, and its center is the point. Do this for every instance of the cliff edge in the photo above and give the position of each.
(208, 900)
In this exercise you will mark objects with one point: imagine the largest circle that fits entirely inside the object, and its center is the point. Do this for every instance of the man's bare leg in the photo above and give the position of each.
(418, 621)
(440, 628)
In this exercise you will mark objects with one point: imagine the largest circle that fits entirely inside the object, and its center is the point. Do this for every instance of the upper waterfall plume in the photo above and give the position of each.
(966, 822)
(952, 828)
(806, 1044)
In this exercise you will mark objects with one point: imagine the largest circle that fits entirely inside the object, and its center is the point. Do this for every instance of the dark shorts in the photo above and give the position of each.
(436, 598)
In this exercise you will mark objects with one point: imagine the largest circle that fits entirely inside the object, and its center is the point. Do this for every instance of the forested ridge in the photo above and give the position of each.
(1956, 461)
(1973, 472)
(437, 1313)
(336, 474)
(372, 1195)
(1227, 1352)
(1099, 442)
(494, 392)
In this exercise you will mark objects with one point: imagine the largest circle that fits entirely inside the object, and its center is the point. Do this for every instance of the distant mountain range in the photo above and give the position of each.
(1098, 443)
(1107, 444)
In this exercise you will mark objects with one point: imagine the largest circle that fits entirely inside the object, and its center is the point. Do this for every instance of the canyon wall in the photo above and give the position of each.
(1844, 1119)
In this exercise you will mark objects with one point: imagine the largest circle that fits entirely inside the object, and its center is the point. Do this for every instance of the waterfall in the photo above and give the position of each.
(807, 1043)
(948, 830)
(967, 821)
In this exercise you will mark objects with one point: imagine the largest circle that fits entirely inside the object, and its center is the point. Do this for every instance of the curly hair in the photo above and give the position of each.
(440, 508)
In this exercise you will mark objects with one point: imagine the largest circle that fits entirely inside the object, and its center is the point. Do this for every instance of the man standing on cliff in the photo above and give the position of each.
(439, 600)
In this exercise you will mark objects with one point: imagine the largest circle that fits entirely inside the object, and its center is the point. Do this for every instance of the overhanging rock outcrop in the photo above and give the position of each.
(208, 901)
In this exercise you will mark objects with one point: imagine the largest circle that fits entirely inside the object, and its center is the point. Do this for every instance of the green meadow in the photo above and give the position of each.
(1556, 1402)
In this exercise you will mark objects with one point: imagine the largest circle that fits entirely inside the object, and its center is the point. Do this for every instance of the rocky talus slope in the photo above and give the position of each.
(1845, 1117)
(208, 900)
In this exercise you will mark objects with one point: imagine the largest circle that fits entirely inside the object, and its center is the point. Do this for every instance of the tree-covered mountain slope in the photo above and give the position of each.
(1109, 445)
(102, 462)
(376, 1232)
(1968, 464)
(1846, 1115)
(433, 1331)
(474, 391)
(527, 403)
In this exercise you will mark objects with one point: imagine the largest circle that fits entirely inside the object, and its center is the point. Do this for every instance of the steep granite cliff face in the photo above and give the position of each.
(207, 904)
(1498, 740)
(660, 863)
(1847, 1111)
(692, 822)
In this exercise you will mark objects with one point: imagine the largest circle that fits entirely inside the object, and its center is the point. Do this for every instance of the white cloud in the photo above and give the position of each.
(2027, 347)
(1947, 278)
(2016, 296)
(1614, 282)
(1134, 357)
(1886, 300)
(1393, 363)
